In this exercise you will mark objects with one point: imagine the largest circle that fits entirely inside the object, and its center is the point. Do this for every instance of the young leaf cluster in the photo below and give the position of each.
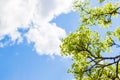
(87, 47)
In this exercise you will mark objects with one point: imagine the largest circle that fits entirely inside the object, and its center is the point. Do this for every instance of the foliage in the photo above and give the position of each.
(87, 47)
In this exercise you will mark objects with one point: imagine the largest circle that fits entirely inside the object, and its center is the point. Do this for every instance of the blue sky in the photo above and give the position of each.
(20, 56)
(30, 34)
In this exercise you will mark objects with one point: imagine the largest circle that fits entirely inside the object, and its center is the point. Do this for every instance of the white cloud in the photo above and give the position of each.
(46, 39)
(15, 14)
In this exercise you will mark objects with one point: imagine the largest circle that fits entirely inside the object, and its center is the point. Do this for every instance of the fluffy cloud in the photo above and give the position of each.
(46, 39)
(15, 14)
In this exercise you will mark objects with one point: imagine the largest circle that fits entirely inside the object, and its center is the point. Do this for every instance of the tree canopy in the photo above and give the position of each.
(90, 50)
